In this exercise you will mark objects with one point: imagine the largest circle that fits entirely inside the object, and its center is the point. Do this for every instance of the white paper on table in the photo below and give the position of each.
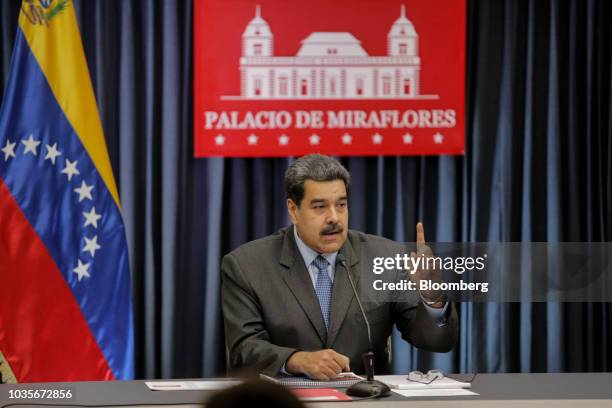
(402, 382)
(191, 385)
(435, 392)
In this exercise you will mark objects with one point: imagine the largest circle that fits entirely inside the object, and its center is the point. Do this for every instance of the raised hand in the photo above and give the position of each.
(432, 297)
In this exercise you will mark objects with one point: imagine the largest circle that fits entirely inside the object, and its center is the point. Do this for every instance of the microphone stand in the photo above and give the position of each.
(369, 387)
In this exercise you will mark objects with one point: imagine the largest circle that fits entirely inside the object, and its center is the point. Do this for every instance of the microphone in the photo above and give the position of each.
(369, 387)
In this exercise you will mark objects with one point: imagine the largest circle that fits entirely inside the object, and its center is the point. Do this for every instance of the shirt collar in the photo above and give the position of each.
(309, 254)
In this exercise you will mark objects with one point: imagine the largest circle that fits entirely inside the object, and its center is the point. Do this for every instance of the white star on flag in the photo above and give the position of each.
(314, 139)
(377, 138)
(82, 270)
(70, 169)
(283, 140)
(91, 218)
(438, 138)
(91, 245)
(52, 153)
(219, 140)
(30, 145)
(84, 191)
(8, 149)
(252, 139)
(347, 139)
(407, 138)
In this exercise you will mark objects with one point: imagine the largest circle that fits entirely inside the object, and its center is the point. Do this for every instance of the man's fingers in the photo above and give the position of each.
(343, 361)
(347, 364)
(422, 248)
(339, 358)
(326, 364)
(329, 359)
(420, 236)
(329, 373)
(321, 372)
(334, 366)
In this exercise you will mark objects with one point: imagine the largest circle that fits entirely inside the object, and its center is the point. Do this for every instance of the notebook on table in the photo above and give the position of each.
(296, 381)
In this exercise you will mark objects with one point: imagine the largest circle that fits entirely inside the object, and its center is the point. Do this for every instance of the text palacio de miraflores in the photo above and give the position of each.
(330, 119)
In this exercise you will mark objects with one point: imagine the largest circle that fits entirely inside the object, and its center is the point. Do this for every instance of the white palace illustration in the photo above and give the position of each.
(330, 65)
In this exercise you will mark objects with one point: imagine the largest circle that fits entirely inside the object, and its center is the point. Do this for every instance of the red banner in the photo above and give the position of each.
(342, 77)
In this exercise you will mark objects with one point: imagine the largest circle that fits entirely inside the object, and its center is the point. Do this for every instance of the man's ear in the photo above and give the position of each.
(292, 209)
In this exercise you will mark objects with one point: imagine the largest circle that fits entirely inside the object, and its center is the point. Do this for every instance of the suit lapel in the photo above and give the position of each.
(299, 282)
(342, 294)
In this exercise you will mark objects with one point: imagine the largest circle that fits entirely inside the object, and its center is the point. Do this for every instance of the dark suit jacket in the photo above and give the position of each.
(271, 310)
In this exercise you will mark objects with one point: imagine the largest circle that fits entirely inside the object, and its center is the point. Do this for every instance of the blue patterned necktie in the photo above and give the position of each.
(323, 288)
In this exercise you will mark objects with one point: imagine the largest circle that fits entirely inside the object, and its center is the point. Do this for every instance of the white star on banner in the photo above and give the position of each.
(377, 138)
(252, 139)
(82, 270)
(283, 140)
(314, 139)
(84, 191)
(219, 140)
(30, 145)
(52, 153)
(438, 138)
(8, 149)
(91, 218)
(408, 138)
(347, 139)
(91, 245)
(70, 169)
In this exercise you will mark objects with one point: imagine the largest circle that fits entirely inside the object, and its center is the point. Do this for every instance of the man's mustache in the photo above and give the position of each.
(332, 229)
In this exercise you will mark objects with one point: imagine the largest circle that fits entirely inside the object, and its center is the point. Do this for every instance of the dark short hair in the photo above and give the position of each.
(315, 167)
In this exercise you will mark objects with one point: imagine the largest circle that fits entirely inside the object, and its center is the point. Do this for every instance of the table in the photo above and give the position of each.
(496, 390)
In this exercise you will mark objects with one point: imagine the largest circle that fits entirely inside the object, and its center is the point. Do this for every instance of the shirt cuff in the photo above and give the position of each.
(439, 314)
(283, 370)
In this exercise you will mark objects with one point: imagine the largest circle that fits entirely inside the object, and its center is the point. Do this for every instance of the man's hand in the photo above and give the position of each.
(423, 273)
(318, 365)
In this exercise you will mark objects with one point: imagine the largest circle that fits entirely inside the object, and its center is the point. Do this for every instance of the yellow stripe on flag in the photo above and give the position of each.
(56, 45)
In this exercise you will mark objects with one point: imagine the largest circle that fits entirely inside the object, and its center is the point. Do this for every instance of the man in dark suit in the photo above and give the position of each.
(287, 303)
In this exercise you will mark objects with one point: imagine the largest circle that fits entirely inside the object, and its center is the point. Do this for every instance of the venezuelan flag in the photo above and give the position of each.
(65, 304)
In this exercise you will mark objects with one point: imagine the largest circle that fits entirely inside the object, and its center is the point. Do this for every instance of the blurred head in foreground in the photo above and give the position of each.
(254, 393)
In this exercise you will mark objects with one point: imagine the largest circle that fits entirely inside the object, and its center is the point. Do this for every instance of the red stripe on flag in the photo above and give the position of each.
(43, 333)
